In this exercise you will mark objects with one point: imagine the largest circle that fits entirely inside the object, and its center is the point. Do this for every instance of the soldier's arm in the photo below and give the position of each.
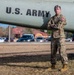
(61, 23)
(50, 24)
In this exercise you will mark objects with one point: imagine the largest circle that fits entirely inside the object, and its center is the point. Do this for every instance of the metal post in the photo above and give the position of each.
(9, 33)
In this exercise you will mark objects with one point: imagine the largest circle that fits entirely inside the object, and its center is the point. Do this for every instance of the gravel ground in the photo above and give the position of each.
(33, 65)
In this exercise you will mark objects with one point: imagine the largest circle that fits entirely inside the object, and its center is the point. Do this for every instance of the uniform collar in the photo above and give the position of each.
(58, 15)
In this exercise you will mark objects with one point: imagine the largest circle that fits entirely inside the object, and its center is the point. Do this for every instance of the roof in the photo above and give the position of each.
(38, 32)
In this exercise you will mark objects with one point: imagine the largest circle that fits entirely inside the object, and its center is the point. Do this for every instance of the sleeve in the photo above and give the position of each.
(50, 23)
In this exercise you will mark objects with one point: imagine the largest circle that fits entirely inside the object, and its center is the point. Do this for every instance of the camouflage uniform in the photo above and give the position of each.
(56, 24)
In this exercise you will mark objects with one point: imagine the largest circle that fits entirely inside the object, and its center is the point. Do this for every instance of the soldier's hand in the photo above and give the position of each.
(54, 27)
(62, 19)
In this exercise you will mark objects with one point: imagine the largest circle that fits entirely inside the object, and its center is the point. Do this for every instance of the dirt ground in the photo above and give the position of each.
(37, 64)
(33, 65)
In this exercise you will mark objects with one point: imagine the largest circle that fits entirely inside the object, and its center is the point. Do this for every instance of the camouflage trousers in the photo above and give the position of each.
(58, 45)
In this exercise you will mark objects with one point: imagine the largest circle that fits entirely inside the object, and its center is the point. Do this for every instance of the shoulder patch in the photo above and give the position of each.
(63, 19)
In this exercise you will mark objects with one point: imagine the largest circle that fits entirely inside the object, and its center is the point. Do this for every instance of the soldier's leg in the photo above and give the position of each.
(63, 53)
(53, 51)
(53, 55)
(64, 58)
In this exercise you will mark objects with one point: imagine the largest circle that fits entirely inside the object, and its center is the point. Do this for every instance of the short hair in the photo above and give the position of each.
(57, 6)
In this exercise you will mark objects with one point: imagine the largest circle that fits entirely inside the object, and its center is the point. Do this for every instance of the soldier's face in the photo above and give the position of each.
(58, 11)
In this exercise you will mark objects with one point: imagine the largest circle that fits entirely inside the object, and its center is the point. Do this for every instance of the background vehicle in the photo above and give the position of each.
(40, 39)
(68, 39)
(26, 38)
(1, 39)
(6, 40)
(48, 38)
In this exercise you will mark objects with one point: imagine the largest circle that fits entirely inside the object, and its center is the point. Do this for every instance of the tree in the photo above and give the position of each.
(2, 31)
(49, 32)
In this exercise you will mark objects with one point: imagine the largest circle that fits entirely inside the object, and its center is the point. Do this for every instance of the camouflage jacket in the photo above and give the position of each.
(56, 24)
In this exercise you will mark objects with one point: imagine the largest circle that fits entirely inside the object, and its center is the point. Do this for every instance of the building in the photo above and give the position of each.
(38, 33)
(17, 31)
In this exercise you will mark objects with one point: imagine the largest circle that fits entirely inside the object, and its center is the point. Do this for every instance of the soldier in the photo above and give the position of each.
(56, 24)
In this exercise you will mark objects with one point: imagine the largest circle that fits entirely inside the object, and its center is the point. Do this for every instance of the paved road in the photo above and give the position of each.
(32, 48)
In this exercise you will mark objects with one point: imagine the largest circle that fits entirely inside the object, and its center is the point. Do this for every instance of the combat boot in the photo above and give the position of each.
(64, 68)
(52, 67)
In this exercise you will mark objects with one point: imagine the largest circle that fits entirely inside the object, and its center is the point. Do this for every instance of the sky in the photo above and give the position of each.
(4, 25)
